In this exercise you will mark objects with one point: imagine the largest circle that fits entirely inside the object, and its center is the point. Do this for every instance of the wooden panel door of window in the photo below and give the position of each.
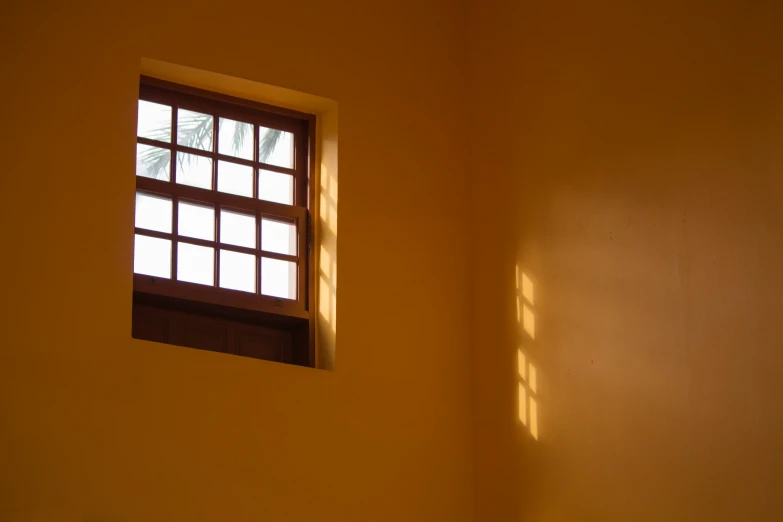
(195, 330)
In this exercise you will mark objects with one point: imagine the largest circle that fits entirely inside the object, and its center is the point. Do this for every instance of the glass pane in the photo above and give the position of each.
(195, 264)
(276, 187)
(234, 178)
(154, 121)
(152, 256)
(276, 147)
(196, 220)
(278, 236)
(237, 229)
(153, 212)
(194, 170)
(152, 162)
(235, 138)
(278, 278)
(194, 129)
(237, 271)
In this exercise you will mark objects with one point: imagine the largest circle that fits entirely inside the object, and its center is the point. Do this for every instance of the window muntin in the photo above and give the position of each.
(236, 195)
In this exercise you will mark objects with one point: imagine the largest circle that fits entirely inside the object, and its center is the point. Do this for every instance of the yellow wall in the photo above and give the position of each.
(99, 427)
(629, 161)
(623, 162)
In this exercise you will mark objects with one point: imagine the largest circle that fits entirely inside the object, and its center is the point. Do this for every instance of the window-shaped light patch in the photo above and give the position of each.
(234, 178)
(153, 162)
(152, 256)
(196, 220)
(275, 187)
(237, 228)
(522, 403)
(522, 365)
(529, 321)
(153, 212)
(528, 289)
(194, 170)
(276, 147)
(235, 138)
(154, 121)
(278, 236)
(278, 278)
(533, 379)
(194, 129)
(534, 418)
(237, 271)
(195, 264)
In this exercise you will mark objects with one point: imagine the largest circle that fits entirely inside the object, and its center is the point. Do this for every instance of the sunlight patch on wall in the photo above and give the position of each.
(529, 321)
(323, 304)
(525, 300)
(532, 378)
(327, 267)
(527, 394)
(527, 401)
(328, 202)
(326, 260)
(522, 404)
(527, 289)
(333, 219)
(522, 364)
(326, 235)
(533, 418)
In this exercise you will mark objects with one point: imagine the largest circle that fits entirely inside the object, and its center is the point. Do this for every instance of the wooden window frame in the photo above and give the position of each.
(302, 126)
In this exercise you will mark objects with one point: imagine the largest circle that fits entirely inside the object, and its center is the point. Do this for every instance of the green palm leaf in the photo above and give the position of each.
(194, 130)
(267, 144)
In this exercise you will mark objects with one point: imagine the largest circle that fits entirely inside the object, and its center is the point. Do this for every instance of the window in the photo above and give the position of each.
(222, 233)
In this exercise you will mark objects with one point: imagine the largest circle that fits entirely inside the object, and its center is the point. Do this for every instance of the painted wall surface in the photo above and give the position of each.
(623, 162)
(98, 427)
(629, 162)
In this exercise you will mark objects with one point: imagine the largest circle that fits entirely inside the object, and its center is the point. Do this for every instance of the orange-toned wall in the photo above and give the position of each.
(624, 157)
(629, 160)
(95, 426)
